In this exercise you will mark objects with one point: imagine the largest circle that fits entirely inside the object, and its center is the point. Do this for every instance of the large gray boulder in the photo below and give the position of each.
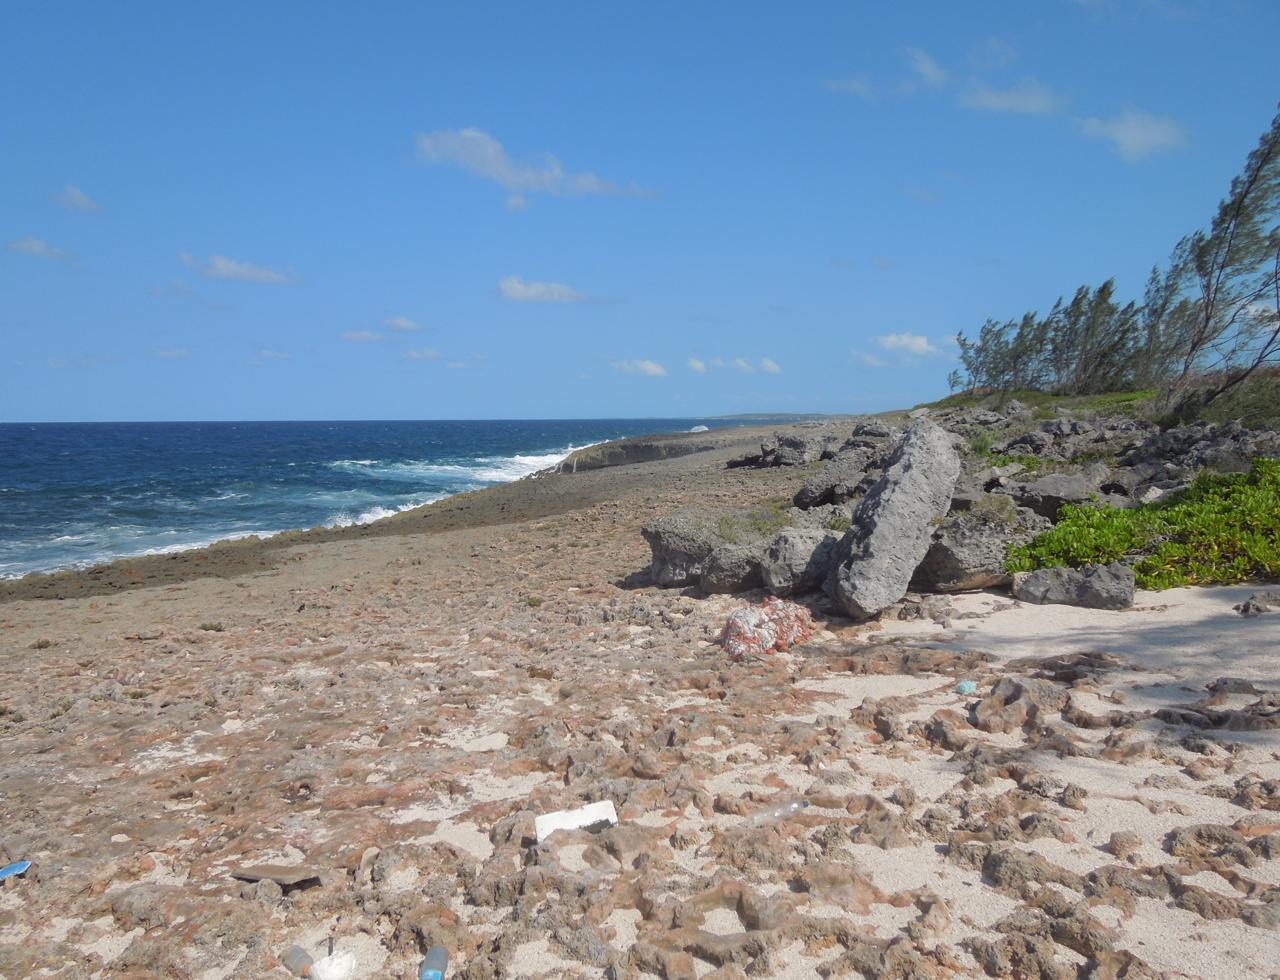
(681, 543)
(1093, 586)
(1047, 495)
(969, 549)
(798, 560)
(894, 523)
(791, 449)
(836, 482)
(732, 568)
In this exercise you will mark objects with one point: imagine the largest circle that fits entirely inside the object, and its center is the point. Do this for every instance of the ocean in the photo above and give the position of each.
(79, 494)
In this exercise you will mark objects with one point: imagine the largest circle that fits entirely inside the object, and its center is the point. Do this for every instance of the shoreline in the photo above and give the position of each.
(252, 551)
(378, 716)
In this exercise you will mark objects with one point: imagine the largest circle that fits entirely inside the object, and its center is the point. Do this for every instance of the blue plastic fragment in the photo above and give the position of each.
(967, 687)
(17, 868)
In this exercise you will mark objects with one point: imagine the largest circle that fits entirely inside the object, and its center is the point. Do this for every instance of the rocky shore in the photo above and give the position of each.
(349, 734)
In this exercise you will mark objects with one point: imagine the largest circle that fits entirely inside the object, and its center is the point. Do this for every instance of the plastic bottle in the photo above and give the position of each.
(297, 961)
(435, 964)
(781, 811)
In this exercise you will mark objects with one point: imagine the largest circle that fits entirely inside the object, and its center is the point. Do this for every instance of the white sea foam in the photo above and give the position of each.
(378, 513)
(481, 470)
(699, 428)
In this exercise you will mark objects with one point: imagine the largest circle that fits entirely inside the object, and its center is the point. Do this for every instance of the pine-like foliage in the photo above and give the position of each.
(1206, 324)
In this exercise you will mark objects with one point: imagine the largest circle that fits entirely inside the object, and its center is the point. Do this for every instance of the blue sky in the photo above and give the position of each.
(274, 211)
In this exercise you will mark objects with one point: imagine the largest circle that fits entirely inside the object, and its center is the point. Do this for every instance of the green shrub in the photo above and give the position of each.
(762, 521)
(1224, 528)
(981, 442)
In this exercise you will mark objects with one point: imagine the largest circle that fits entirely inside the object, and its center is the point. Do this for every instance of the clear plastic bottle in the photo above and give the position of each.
(297, 961)
(436, 962)
(780, 811)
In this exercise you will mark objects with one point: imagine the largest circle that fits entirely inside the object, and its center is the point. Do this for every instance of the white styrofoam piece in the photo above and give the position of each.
(585, 816)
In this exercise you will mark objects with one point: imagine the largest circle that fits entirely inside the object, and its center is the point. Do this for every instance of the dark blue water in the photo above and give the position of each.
(73, 495)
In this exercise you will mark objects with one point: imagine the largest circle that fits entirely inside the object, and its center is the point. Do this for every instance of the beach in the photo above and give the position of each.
(385, 709)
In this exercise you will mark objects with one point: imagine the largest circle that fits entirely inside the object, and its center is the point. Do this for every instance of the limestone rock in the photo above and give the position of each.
(681, 543)
(797, 560)
(969, 550)
(838, 481)
(894, 523)
(1093, 586)
(732, 568)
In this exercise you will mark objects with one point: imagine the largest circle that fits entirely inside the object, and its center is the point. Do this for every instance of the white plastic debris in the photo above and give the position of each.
(591, 815)
(339, 966)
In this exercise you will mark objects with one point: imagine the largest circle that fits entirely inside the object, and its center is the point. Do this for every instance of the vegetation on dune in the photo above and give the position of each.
(1224, 528)
(1208, 323)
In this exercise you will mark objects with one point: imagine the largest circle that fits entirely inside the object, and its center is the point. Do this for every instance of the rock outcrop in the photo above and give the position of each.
(681, 543)
(848, 474)
(1093, 586)
(797, 560)
(642, 449)
(894, 523)
(969, 549)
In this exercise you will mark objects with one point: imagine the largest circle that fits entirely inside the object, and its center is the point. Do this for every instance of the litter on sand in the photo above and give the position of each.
(11, 870)
(285, 877)
(592, 815)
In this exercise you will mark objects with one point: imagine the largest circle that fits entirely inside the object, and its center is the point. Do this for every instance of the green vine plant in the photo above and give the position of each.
(1224, 528)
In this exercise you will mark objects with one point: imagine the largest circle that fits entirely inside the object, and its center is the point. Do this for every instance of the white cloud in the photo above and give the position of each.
(174, 353)
(38, 247)
(743, 365)
(221, 267)
(513, 287)
(859, 85)
(910, 343)
(361, 336)
(869, 360)
(1028, 96)
(769, 366)
(651, 368)
(716, 362)
(478, 153)
(992, 54)
(697, 365)
(403, 324)
(273, 355)
(1136, 134)
(74, 199)
(426, 354)
(926, 68)
(456, 366)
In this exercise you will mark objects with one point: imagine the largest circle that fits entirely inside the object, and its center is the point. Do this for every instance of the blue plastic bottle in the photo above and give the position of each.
(435, 964)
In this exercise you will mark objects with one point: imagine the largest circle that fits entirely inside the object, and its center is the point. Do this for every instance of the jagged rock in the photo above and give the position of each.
(1047, 495)
(1201, 444)
(732, 568)
(681, 543)
(1015, 703)
(620, 452)
(791, 450)
(969, 550)
(1031, 443)
(1093, 586)
(838, 481)
(893, 524)
(797, 560)
(1258, 603)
